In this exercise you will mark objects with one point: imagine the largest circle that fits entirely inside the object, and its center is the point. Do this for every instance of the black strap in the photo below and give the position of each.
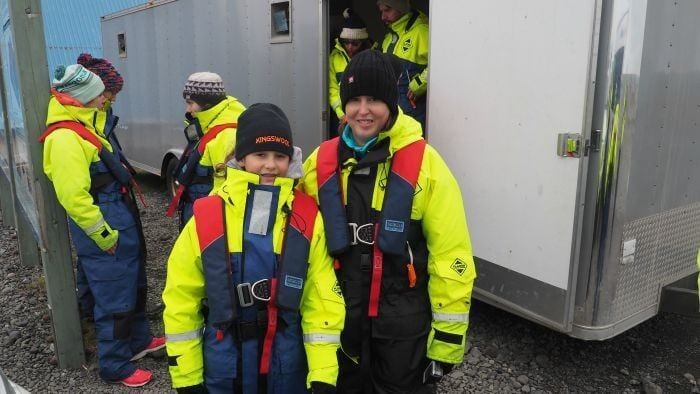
(414, 17)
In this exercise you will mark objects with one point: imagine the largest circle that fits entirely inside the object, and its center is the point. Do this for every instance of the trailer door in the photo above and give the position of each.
(506, 78)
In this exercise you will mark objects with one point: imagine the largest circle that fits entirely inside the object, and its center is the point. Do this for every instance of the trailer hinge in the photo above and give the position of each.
(569, 145)
(593, 144)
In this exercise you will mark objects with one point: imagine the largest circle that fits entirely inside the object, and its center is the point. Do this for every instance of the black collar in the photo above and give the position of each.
(376, 154)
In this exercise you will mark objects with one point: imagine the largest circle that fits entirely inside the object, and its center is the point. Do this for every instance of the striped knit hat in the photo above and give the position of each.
(105, 70)
(204, 88)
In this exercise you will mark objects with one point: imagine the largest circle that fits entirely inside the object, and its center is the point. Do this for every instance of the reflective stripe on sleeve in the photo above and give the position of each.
(451, 317)
(325, 338)
(94, 227)
(185, 336)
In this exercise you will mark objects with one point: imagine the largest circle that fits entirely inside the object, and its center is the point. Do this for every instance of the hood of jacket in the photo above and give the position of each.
(63, 107)
(227, 111)
(400, 24)
(404, 131)
(338, 46)
(234, 190)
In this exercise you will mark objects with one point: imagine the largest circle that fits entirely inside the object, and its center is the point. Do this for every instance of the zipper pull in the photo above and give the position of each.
(411, 275)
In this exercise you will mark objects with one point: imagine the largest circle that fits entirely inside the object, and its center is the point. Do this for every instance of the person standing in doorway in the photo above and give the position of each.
(407, 39)
(396, 226)
(210, 128)
(353, 39)
(93, 186)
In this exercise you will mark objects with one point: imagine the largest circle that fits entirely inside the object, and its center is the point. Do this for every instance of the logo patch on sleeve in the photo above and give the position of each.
(459, 266)
(336, 289)
(293, 282)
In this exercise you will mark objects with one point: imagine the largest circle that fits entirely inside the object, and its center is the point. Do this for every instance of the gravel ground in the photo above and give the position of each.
(506, 354)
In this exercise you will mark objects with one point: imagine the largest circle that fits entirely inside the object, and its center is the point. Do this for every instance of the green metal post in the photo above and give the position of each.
(28, 32)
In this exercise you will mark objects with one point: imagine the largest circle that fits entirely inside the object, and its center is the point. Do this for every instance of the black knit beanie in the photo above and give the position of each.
(263, 127)
(370, 73)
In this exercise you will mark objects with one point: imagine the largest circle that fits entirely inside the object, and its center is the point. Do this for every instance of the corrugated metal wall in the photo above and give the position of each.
(73, 26)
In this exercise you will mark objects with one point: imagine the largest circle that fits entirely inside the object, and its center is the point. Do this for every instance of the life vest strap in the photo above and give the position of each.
(271, 329)
(212, 133)
(201, 146)
(77, 127)
(376, 284)
(176, 201)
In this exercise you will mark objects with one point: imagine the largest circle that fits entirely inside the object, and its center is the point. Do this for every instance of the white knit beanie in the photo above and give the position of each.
(353, 27)
(78, 82)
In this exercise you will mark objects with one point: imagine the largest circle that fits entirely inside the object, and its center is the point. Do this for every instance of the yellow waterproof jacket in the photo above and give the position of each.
(439, 207)
(322, 308)
(412, 45)
(227, 111)
(337, 62)
(67, 158)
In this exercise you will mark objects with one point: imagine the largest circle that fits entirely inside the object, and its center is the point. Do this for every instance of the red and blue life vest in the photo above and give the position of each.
(286, 287)
(391, 230)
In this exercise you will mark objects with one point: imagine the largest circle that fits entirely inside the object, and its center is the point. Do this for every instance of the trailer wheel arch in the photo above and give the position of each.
(170, 162)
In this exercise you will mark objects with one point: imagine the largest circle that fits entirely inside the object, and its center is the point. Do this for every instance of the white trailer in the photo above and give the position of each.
(264, 50)
(571, 126)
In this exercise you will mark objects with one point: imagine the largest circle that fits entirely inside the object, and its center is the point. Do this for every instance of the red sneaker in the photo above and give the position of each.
(157, 343)
(139, 378)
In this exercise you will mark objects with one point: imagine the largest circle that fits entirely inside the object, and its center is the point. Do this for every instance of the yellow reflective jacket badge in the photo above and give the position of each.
(407, 44)
(459, 266)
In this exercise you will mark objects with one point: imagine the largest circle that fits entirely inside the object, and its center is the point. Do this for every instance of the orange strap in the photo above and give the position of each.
(271, 329)
(212, 133)
(137, 189)
(176, 201)
(77, 127)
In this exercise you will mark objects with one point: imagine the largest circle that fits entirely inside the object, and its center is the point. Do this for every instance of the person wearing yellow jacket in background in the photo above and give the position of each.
(245, 295)
(408, 40)
(92, 184)
(210, 119)
(395, 224)
(353, 39)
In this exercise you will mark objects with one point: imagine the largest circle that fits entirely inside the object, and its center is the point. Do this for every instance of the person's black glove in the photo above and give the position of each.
(198, 389)
(322, 388)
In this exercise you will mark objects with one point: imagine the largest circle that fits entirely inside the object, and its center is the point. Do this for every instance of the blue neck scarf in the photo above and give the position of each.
(360, 151)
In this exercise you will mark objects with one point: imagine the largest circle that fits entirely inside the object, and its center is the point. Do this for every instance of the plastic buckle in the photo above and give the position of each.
(245, 295)
(248, 293)
(362, 234)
